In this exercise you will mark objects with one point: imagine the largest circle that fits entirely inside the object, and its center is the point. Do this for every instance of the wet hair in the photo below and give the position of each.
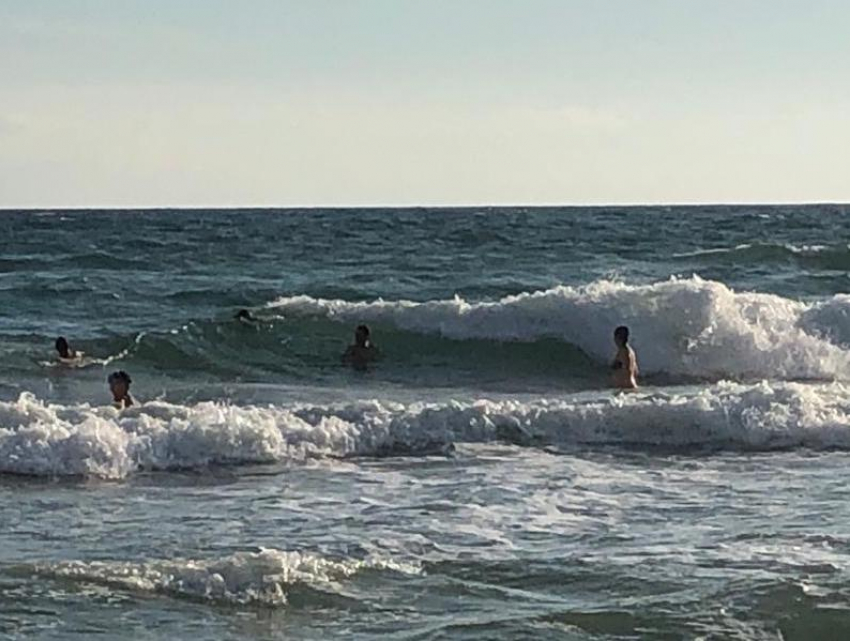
(622, 332)
(361, 334)
(62, 345)
(120, 375)
(244, 314)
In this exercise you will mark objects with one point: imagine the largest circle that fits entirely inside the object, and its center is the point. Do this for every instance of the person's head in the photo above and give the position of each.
(361, 336)
(62, 347)
(621, 336)
(244, 314)
(119, 384)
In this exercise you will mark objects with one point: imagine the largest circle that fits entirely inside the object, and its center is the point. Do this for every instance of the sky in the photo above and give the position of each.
(129, 103)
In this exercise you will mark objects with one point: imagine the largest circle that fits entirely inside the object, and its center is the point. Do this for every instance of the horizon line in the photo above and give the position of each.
(193, 207)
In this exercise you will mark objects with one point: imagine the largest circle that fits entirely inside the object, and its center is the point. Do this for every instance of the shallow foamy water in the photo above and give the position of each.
(497, 540)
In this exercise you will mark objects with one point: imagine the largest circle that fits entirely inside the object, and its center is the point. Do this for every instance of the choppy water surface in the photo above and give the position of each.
(480, 481)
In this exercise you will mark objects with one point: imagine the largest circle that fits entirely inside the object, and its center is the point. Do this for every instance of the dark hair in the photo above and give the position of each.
(622, 332)
(62, 344)
(245, 314)
(364, 329)
(120, 375)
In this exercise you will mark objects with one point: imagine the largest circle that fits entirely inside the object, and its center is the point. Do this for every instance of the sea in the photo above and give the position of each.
(481, 480)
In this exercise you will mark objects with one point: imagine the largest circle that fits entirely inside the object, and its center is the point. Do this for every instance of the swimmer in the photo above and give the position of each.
(119, 385)
(625, 362)
(66, 354)
(362, 352)
(245, 316)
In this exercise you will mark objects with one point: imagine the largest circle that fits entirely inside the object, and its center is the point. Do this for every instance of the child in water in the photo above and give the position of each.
(119, 385)
(625, 362)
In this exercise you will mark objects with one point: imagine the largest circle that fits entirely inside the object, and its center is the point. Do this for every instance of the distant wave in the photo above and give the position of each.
(55, 440)
(683, 327)
(88, 260)
(827, 257)
(266, 577)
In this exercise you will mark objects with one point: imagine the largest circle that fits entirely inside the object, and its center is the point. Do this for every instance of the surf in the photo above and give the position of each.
(267, 577)
(690, 328)
(42, 439)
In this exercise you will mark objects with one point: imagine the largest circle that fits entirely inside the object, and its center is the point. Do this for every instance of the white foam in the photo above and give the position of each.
(800, 250)
(41, 439)
(262, 577)
(714, 251)
(829, 319)
(684, 327)
(727, 415)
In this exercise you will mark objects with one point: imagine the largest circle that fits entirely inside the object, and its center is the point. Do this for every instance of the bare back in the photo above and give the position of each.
(625, 368)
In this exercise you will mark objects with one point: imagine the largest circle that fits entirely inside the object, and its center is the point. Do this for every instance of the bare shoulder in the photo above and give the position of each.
(626, 355)
(633, 364)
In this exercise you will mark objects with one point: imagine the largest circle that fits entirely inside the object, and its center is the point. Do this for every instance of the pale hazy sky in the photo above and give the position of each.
(299, 102)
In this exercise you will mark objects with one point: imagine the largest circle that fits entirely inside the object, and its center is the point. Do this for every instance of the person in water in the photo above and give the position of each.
(119, 385)
(625, 362)
(66, 354)
(362, 352)
(245, 316)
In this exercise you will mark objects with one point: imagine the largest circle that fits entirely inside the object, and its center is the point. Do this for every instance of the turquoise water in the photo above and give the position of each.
(480, 481)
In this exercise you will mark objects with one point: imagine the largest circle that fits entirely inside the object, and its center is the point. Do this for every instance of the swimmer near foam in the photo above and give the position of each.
(119, 385)
(66, 354)
(625, 367)
(362, 351)
(244, 316)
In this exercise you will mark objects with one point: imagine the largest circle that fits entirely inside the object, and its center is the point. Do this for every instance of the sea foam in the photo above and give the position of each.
(683, 327)
(264, 577)
(41, 439)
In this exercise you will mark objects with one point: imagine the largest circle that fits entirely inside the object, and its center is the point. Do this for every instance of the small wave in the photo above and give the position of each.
(827, 257)
(263, 578)
(90, 260)
(12, 265)
(685, 327)
(54, 440)
(101, 260)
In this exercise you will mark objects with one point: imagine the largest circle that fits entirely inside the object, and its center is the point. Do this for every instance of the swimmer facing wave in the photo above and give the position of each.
(625, 367)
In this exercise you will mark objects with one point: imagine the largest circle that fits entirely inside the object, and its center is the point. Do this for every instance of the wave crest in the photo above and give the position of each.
(683, 327)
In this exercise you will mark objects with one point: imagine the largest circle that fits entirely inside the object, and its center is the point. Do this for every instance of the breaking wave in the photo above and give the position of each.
(263, 578)
(54, 440)
(683, 327)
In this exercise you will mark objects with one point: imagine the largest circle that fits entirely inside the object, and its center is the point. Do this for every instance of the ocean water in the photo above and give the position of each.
(480, 481)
